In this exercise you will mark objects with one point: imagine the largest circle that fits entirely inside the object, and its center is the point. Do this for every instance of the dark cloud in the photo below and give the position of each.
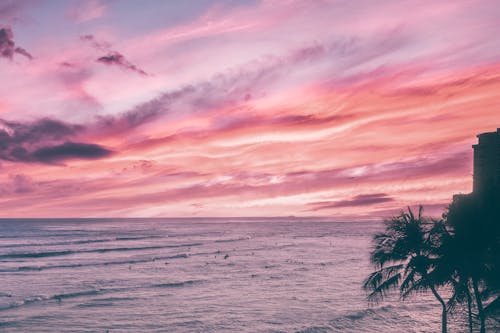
(44, 141)
(43, 130)
(23, 52)
(359, 200)
(115, 58)
(8, 46)
(99, 45)
(112, 57)
(70, 150)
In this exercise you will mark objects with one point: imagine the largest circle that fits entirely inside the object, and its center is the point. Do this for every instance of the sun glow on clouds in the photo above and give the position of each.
(343, 108)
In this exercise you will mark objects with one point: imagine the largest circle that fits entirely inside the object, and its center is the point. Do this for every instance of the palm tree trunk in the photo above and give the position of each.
(480, 309)
(444, 319)
(469, 308)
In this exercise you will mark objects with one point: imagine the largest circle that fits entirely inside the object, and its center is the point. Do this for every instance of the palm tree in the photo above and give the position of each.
(450, 267)
(403, 258)
(461, 294)
(468, 251)
(490, 216)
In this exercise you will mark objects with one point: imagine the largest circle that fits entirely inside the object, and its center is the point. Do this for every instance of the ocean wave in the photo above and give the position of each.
(315, 329)
(58, 297)
(156, 247)
(96, 264)
(96, 292)
(45, 234)
(312, 236)
(35, 254)
(136, 238)
(81, 241)
(347, 322)
(230, 240)
(362, 314)
(26, 301)
(18, 255)
(95, 304)
(368, 312)
(177, 284)
(115, 299)
(77, 294)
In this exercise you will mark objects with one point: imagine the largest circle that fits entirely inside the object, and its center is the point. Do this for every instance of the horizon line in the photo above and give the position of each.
(195, 217)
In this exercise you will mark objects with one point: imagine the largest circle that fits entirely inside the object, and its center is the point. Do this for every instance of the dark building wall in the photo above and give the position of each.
(487, 162)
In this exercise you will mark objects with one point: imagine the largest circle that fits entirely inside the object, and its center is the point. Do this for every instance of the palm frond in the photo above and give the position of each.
(419, 285)
(381, 281)
(409, 279)
(420, 212)
(461, 293)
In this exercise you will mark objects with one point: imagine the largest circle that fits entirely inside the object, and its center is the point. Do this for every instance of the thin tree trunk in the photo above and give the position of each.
(469, 308)
(480, 309)
(444, 319)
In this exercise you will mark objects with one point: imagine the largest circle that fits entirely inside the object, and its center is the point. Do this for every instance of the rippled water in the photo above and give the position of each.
(167, 275)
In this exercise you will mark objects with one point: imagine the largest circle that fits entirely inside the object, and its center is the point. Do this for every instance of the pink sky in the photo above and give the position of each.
(348, 109)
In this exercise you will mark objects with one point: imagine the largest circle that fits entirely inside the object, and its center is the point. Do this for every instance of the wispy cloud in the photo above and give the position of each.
(98, 45)
(359, 200)
(112, 57)
(115, 58)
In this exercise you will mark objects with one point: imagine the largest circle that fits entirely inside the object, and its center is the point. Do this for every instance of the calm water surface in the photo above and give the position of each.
(168, 275)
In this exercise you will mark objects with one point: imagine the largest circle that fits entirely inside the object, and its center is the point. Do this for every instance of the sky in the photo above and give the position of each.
(346, 109)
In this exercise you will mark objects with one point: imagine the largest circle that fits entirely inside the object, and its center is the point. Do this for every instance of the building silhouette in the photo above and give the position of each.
(487, 163)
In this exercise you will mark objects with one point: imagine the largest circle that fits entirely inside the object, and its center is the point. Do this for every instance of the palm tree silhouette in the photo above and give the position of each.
(404, 258)
(471, 254)
(489, 206)
(451, 268)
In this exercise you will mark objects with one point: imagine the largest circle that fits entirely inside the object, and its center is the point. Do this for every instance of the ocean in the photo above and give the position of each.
(197, 275)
